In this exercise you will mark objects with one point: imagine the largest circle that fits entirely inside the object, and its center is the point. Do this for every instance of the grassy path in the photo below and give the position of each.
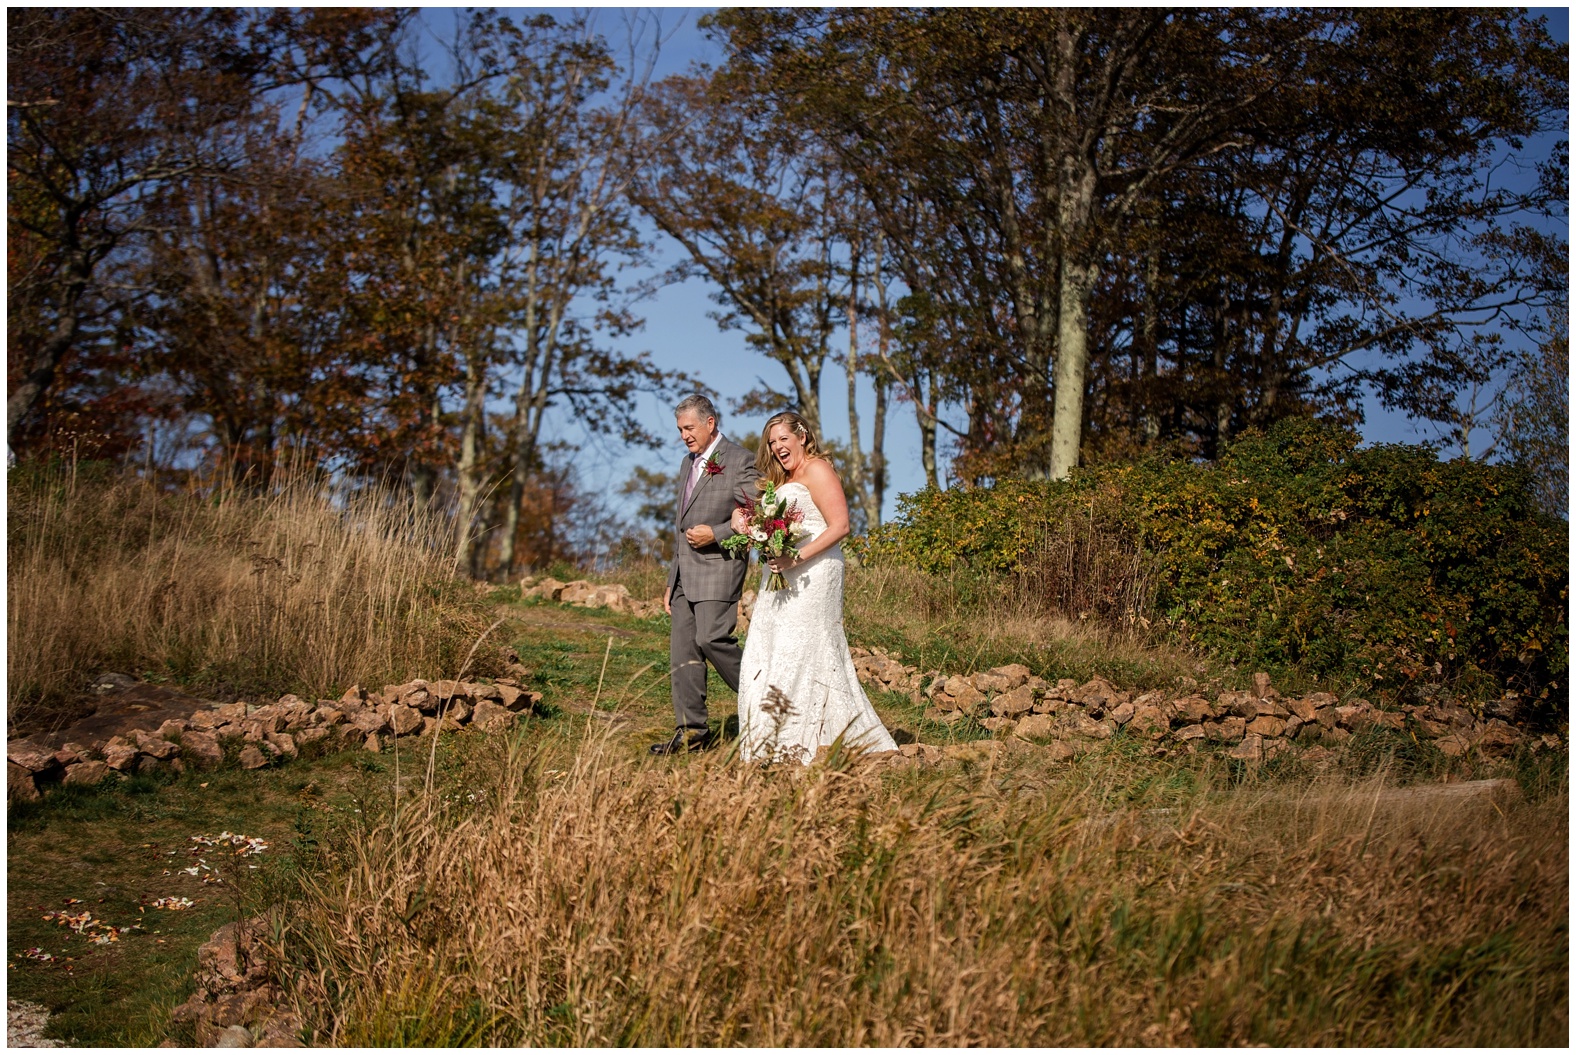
(114, 851)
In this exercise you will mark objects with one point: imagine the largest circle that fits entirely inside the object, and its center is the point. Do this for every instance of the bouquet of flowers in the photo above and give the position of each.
(771, 528)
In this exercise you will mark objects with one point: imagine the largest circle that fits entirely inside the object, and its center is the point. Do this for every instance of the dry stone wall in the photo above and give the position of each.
(1252, 724)
(271, 732)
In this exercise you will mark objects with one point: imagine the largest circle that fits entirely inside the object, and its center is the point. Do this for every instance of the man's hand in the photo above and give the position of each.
(667, 600)
(700, 535)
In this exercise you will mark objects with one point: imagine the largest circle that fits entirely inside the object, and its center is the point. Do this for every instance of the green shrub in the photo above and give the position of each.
(1295, 550)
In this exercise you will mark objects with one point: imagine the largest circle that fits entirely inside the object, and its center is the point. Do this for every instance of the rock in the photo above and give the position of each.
(1016, 674)
(112, 681)
(89, 772)
(1061, 751)
(447, 690)
(121, 757)
(1150, 722)
(1384, 719)
(163, 750)
(947, 717)
(1072, 723)
(974, 750)
(1241, 704)
(1293, 726)
(965, 697)
(1454, 745)
(352, 734)
(1035, 727)
(547, 588)
(403, 720)
(492, 718)
(1098, 692)
(310, 735)
(1316, 753)
(428, 726)
(1046, 703)
(1322, 699)
(1122, 714)
(354, 696)
(516, 699)
(1000, 726)
(576, 593)
(234, 1037)
(327, 716)
(1261, 685)
(1273, 708)
(460, 711)
(269, 718)
(1350, 717)
(35, 758)
(1229, 729)
(1014, 703)
(1190, 710)
(985, 681)
(172, 728)
(252, 757)
(1251, 750)
(284, 744)
(372, 743)
(1497, 737)
(71, 754)
(1508, 707)
(416, 694)
(1303, 709)
(1273, 748)
(1267, 725)
(370, 722)
(202, 747)
(478, 691)
(1190, 732)
(19, 784)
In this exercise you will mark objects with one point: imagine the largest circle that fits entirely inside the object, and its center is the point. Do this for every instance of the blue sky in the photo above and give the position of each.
(679, 334)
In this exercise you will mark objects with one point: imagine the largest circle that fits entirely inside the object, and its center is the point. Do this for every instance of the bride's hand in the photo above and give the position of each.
(737, 521)
(782, 564)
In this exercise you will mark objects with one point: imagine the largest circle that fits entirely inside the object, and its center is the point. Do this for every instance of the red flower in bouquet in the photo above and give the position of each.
(769, 529)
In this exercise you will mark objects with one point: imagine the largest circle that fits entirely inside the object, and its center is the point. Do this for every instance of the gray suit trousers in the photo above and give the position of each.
(702, 631)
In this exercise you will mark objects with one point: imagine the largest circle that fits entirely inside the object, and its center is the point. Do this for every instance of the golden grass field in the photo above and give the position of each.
(559, 886)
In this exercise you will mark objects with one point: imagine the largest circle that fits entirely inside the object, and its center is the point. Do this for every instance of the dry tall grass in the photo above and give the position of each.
(304, 588)
(986, 619)
(716, 903)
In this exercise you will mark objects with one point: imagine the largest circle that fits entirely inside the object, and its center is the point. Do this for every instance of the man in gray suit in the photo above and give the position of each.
(705, 581)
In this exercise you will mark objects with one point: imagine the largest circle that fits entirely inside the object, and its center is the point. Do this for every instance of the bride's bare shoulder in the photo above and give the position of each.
(819, 469)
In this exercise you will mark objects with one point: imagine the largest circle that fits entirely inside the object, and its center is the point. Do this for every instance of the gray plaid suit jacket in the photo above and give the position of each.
(709, 573)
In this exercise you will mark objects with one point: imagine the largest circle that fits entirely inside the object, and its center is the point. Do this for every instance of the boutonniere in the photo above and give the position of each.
(712, 466)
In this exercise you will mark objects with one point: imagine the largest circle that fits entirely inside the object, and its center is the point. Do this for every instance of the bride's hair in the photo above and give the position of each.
(770, 468)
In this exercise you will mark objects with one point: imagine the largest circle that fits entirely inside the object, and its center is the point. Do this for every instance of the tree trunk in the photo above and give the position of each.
(472, 440)
(1077, 273)
(41, 366)
(1149, 420)
(858, 479)
(927, 436)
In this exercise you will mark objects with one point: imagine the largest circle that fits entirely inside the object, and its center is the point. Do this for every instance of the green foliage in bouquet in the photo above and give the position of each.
(1295, 550)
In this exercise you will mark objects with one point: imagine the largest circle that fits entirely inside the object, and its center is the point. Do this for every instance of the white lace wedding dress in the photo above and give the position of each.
(798, 689)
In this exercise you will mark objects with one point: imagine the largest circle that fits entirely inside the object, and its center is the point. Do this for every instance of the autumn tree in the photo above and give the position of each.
(105, 108)
(1016, 158)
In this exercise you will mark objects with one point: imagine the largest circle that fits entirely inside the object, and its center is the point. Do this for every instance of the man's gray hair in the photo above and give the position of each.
(703, 407)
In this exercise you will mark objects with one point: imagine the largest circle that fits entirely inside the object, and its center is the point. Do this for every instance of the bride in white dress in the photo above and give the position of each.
(798, 690)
